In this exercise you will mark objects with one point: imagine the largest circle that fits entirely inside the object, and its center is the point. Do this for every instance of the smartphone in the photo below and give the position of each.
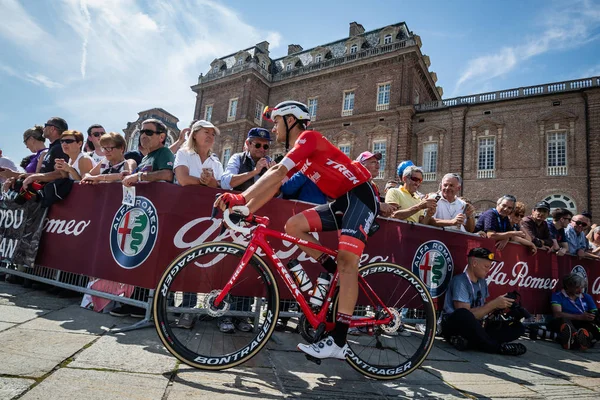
(207, 171)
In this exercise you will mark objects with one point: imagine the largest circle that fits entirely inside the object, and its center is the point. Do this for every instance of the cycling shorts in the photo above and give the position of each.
(352, 214)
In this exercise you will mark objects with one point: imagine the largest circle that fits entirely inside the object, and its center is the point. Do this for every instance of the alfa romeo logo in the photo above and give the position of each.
(433, 264)
(133, 233)
(579, 270)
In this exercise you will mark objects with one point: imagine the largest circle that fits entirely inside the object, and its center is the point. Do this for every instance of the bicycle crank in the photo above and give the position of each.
(308, 333)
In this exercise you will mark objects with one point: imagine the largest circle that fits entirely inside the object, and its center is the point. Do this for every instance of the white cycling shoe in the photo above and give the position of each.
(324, 348)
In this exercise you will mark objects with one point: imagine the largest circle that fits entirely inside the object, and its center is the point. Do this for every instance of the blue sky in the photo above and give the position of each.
(102, 61)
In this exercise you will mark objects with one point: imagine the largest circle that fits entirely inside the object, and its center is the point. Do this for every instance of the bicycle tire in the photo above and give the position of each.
(398, 288)
(205, 268)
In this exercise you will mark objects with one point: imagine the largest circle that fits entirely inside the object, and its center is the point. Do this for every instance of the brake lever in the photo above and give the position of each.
(215, 210)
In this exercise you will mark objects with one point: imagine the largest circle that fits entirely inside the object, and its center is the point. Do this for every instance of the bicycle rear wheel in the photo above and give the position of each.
(187, 320)
(386, 351)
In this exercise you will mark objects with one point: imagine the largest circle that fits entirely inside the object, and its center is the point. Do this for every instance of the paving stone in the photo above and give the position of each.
(5, 325)
(34, 353)
(590, 383)
(73, 319)
(18, 315)
(237, 383)
(134, 351)
(13, 387)
(70, 383)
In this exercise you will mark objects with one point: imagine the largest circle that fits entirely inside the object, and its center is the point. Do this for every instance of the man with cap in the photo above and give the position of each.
(52, 131)
(371, 163)
(536, 227)
(243, 169)
(465, 309)
(157, 165)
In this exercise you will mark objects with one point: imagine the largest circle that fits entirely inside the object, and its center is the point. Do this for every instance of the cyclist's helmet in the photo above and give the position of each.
(295, 108)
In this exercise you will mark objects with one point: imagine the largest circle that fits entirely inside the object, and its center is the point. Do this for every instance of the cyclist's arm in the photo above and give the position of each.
(265, 188)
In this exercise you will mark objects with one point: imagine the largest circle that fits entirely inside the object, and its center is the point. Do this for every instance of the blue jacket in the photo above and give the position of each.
(299, 187)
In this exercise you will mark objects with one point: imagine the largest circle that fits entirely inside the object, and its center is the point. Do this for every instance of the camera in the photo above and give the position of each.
(516, 310)
(23, 195)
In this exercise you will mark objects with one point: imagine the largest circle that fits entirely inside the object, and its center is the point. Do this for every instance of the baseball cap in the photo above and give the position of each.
(260, 133)
(481, 252)
(204, 124)
(542, 205)
(365, 155)
(402, 166)
(58, 123)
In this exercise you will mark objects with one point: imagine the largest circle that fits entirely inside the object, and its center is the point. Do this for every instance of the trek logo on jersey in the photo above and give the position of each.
(133, 233)
(433, 264)
(345, 171)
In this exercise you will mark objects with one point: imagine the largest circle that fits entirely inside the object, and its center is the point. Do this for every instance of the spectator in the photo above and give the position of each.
(78, 163)
(299, 187)
(573, 311)
(195, 164)
(137, 155)
(393, 184)
(47, 172)
(114, 166)
(495, 223)
(6, 163)
(157, 165)
(94, 133)
(574, 233)
(465, 308)
(243, 169)
(371, 163)
(402, 166)
(451, 211)
(183, 136)
(411, 207)
(36, 143)
(536, 227)
(516, 216)
(560, 220)
(594, 239)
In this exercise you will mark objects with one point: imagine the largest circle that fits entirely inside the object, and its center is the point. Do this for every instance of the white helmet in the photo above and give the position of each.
(297, 109)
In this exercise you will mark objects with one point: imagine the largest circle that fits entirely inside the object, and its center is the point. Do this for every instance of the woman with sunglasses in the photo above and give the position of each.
(79, 163)
(594, 239)
(195, 163)
(243, 169)
(114, 166)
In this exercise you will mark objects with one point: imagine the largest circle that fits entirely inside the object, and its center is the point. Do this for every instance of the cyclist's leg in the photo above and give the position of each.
(317, 219)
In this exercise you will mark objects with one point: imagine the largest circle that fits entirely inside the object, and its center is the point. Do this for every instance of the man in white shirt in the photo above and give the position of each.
(452, 212)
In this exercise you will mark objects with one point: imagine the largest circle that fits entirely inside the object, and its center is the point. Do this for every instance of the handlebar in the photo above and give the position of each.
(240, 211)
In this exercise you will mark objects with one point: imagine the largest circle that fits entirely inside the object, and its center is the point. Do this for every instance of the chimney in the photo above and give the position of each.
(263, 46)
(294, 48)
(356, 29)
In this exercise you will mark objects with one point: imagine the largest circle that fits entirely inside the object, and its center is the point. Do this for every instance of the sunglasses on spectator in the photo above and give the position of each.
(108, 149)
(47, 125)
(581, 223)
(68, 141)
(97, 134)
(148, 132)
(264, 146)
(519, 215)
(415, 179)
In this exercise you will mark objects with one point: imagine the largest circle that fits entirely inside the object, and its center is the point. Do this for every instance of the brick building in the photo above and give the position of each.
(132, 131)
(374, 91)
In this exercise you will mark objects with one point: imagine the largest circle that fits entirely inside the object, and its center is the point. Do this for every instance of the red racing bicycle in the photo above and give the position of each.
(228, 279)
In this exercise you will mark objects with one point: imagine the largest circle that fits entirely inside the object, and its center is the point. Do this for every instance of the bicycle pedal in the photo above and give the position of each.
(313, 359)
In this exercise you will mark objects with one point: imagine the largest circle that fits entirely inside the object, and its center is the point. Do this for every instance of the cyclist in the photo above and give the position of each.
(353, 212)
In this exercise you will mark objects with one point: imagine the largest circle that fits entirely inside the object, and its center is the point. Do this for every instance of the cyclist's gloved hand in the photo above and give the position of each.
(229, 200)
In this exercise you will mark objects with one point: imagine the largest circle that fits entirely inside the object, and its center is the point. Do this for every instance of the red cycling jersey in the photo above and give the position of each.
(331, 170)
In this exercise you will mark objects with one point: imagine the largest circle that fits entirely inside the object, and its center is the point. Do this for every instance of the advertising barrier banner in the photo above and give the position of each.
(92, 233)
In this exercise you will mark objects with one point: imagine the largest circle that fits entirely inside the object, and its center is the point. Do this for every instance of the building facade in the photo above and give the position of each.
(132, 131)
(374, 91)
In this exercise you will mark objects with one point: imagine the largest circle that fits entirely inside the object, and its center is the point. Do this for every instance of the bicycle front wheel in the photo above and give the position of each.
(208, 336)
(395, 349)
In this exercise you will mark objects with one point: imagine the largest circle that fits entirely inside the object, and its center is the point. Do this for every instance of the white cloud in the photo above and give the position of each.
(566, 26)
(118, 57)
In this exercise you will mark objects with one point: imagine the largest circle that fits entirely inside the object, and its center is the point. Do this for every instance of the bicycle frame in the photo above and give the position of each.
(259, 240)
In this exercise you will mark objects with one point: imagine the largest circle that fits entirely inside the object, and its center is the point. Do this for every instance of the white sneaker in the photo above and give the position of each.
(325, 348)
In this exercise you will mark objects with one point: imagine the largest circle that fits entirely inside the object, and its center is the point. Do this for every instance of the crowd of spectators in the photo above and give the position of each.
(190, 160)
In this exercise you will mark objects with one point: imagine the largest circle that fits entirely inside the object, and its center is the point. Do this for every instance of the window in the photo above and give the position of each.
(557, 153)
(383, 97)
(312, 108)
(353, 49)
(348, 107)
(232, 109)
(226, 155)
(318, 58)
(263, 64)
(561, 201)
(240, 61)
(345, 148)
(208, 112)
(379, 147)
(487, 158)
(430, 151)
(387, 39)
(288, 67)
(215, 69)
(258, 113)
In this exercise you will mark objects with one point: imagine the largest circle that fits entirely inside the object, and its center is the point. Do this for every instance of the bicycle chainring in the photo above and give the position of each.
(213, 311)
